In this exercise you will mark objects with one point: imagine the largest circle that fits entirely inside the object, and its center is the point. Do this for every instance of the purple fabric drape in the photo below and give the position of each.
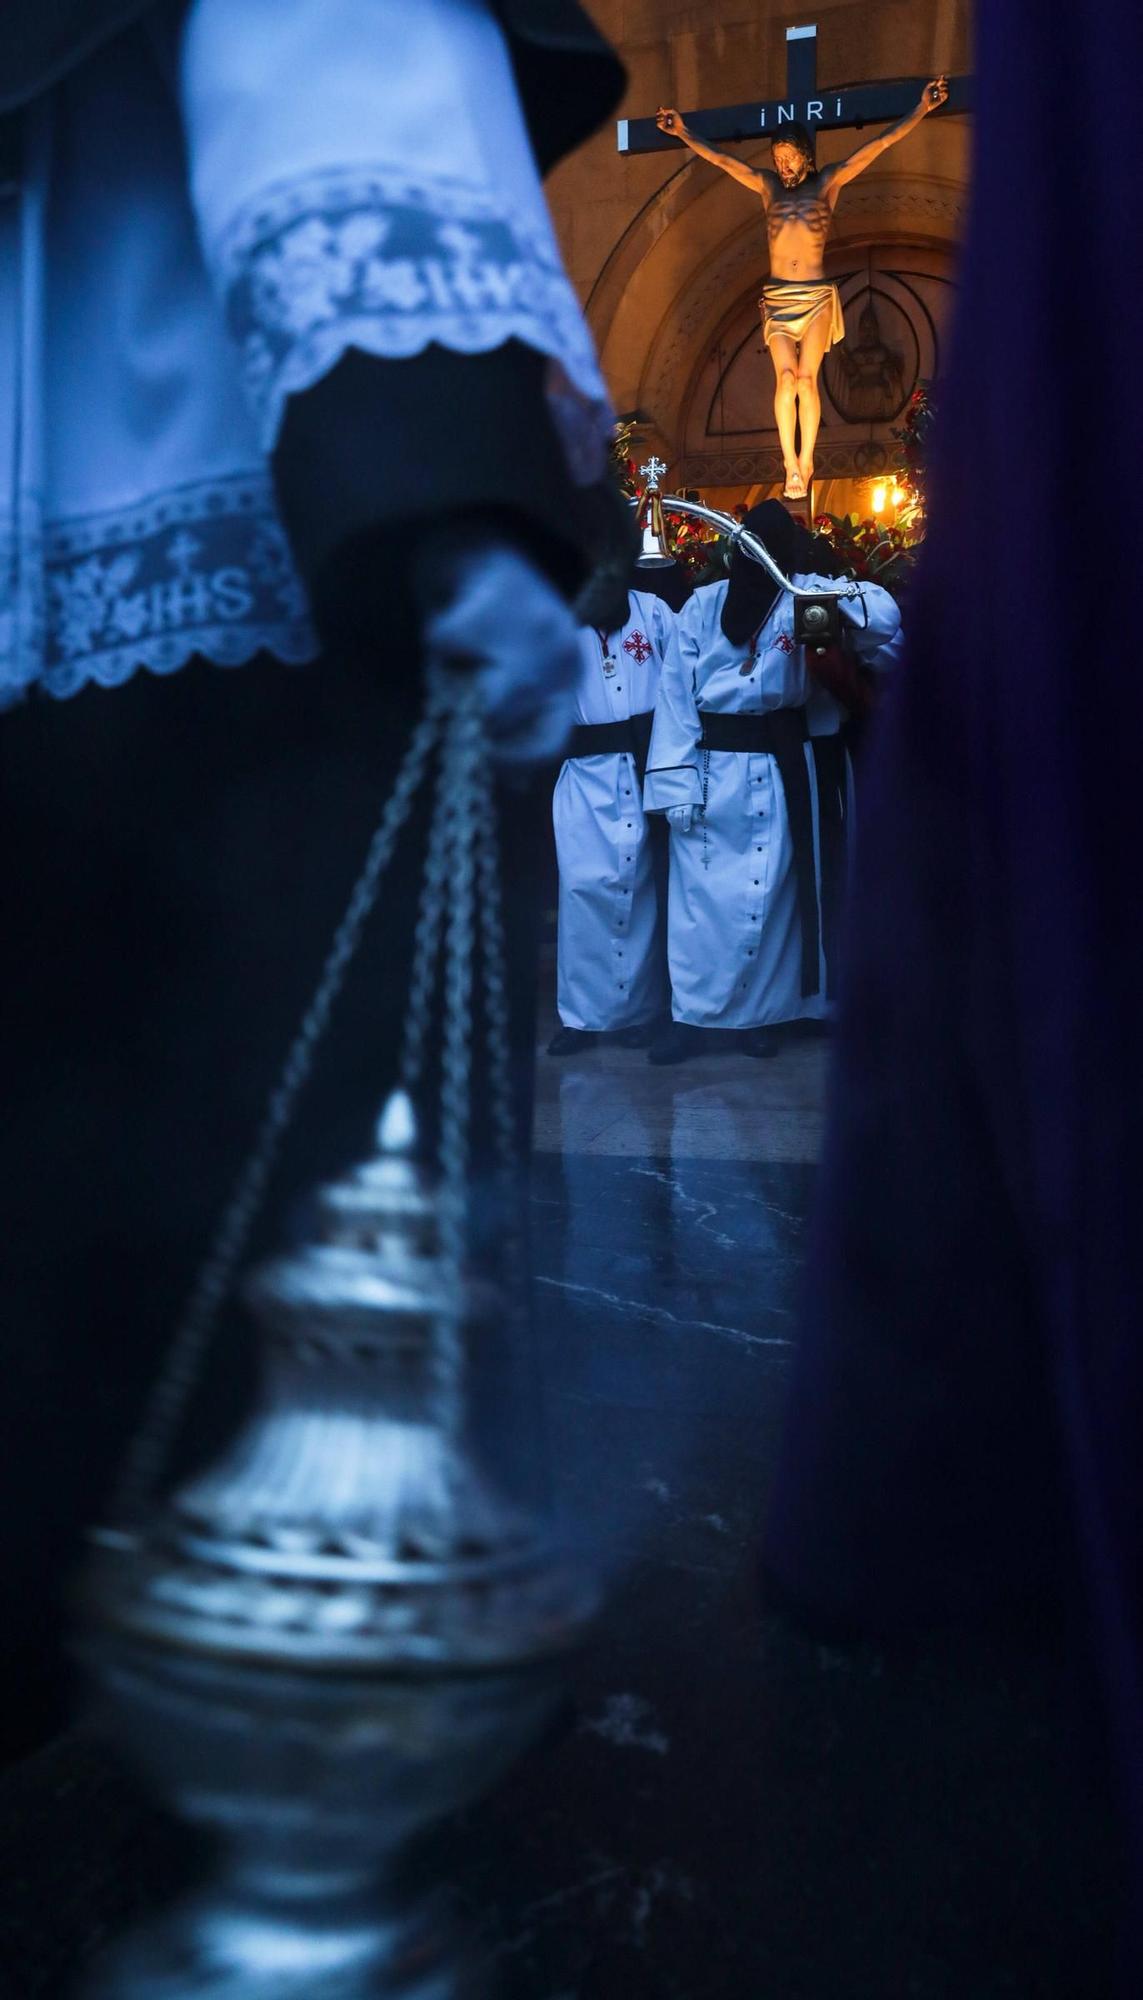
(967, 1413)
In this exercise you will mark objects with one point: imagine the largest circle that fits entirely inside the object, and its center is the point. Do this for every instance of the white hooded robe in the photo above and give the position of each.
(612, 955)
(734, 932)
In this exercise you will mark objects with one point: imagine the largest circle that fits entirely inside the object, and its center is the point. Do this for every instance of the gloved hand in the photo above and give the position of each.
(492, 611)
(681, 817)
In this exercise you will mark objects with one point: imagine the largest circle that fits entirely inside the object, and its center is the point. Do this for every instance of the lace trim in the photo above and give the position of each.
(389, 264)
(204, 569)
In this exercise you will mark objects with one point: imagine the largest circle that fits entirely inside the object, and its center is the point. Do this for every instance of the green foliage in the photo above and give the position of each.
(874, 551)
(623, 460)
(870, 551)
(913, 440)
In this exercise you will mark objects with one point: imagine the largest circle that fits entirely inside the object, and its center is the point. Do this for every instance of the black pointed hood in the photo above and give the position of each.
(753, 592)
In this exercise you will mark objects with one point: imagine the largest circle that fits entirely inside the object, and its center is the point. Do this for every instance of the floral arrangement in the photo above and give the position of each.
(697, 546)
(623, 460)
(883, 552)
(913, 441)
(870, 551)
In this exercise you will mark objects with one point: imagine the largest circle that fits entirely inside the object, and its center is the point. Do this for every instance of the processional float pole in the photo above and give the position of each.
(343, 1630)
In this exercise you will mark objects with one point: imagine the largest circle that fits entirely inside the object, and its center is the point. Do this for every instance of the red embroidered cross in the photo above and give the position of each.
(639, 647)
(784, 643)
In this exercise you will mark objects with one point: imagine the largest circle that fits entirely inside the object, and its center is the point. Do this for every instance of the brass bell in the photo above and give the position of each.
(655, 552)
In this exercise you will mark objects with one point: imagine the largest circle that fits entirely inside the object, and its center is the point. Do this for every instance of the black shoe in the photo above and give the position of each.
(570, 1042)
(675, 1044)
(636, 1038)
(761, 1042)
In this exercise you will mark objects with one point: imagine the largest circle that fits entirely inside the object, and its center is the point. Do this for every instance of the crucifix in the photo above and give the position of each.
(801, 309)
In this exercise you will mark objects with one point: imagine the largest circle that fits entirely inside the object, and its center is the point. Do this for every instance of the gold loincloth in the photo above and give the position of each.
(789, 308)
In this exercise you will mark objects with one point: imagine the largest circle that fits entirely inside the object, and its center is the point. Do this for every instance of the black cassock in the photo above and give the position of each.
(177, 852)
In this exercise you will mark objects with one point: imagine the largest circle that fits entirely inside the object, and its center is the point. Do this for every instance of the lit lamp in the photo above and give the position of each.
(655, 552)
(879, 496)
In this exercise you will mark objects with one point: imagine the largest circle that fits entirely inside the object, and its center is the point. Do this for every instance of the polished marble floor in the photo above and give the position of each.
(733, 1810)
(724, 1810)
(717, 1106)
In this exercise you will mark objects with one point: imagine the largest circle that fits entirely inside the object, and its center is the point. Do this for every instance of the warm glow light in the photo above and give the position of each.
(879, 499)
(897, 495)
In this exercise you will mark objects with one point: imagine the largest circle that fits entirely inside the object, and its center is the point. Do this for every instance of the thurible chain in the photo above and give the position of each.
(465, 750)
(148, 1454)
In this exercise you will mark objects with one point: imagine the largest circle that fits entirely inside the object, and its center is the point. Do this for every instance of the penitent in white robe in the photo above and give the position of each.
(734, 933)
(612, 956)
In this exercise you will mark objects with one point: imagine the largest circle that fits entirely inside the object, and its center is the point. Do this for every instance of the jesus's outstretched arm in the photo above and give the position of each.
(755, 178)
(835, 177)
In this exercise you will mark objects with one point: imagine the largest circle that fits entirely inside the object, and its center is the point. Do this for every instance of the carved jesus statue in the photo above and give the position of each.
(801, 310)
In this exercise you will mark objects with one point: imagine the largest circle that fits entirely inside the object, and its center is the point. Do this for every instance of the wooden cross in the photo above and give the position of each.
(805, 102)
